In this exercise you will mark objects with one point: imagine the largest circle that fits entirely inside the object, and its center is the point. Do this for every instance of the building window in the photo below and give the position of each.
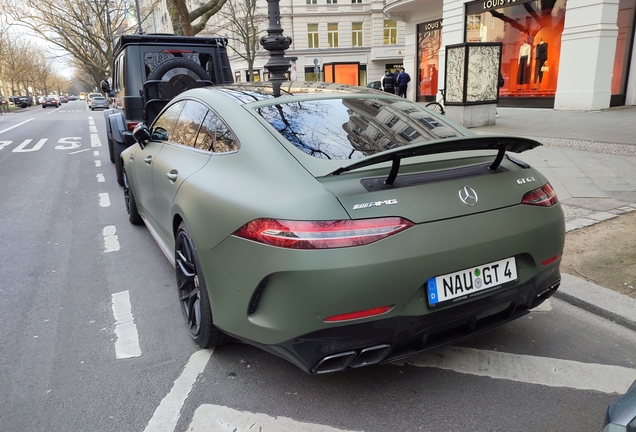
(390, 32)
(356, 34)
(312, 2)
(312, 34)
(473, 22)
(356, 1)
(332, 35)
(332, 1)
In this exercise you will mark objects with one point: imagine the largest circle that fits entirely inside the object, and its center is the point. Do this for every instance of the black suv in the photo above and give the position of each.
(148, 71)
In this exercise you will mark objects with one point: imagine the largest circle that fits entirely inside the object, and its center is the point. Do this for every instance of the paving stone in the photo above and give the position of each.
(601, 216)
(627, 209)
(583, 222)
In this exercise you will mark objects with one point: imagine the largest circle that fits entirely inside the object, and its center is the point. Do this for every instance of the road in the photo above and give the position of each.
(92, 338)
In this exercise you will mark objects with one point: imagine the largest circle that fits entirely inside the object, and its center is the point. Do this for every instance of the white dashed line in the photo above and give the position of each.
(95, 141)
(79, 151)
(92, 129)
(98, 163)
(104, 199)
(100, 178)
(167, 413)
(550, 372)
(127, 344)
(111, 241)
(96, 153)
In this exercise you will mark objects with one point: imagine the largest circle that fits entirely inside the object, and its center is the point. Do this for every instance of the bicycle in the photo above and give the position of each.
(437, 105)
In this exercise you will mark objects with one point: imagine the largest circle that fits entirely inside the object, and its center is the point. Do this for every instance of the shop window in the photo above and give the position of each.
(312, 73)
(342, 73)
(623, 45)
(332, 35)
(312, 33)
(530, 33)
(390, 32)
(429, 42)
(356, 34)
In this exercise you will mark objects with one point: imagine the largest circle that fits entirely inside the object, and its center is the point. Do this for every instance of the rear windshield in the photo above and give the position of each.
(354, 128)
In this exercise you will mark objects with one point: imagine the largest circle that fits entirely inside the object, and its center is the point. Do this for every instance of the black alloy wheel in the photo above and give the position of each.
(193, 294)
(131, 204)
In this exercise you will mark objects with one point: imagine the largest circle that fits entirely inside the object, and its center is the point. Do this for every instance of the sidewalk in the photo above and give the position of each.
(590, 160)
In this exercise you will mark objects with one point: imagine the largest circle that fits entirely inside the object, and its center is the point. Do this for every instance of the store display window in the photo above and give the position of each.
(429, 42)
(625, 24)
(530, 33)
(342, 73)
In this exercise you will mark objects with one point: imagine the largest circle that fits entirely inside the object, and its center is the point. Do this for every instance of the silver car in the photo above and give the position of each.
(99, 102)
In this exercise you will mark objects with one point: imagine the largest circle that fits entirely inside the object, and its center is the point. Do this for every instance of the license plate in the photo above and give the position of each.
(469, 282)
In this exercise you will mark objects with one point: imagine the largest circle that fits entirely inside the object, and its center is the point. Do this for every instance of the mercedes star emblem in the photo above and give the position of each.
(468, 196)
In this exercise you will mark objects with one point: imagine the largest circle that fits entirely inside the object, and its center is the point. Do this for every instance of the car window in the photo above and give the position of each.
(354, 128)
(215, 135)
(188, 124)
(164, 124)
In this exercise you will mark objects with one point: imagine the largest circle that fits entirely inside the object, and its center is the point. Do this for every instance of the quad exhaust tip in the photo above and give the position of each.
(353, 359)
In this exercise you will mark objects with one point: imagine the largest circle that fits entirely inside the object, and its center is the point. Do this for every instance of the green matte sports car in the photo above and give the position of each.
(339, 226)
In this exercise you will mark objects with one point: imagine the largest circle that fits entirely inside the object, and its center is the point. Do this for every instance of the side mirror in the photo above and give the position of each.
(141, 133)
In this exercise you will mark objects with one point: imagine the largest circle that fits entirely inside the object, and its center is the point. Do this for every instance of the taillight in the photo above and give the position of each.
(543, 196)
(131, 125)
(551, 260)
(321, 234)
(359, 314)
(174, 51)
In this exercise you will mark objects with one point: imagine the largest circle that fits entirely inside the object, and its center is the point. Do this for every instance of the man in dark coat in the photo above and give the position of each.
(402, 82)
(388, 82)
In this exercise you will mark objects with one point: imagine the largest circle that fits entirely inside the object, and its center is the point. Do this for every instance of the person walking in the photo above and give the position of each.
(388, 82)
(402, 82)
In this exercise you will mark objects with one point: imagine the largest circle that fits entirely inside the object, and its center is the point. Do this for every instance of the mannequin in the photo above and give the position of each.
(524, 61)
(541, 57)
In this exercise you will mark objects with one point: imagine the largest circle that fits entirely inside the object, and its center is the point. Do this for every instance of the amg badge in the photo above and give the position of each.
(374, 204)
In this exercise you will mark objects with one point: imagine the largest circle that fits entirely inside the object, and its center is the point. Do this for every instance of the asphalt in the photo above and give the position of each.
(590, 160)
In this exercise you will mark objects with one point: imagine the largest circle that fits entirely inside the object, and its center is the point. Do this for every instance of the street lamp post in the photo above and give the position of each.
(276, 44)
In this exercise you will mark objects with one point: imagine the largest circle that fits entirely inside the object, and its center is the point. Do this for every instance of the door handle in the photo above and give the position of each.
(172, 175)
(131, 158)
(148, 159)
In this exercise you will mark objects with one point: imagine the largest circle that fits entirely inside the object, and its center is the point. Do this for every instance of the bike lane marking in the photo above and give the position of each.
(529, 369)
(15, 126)
(127, 344)
(167, 414)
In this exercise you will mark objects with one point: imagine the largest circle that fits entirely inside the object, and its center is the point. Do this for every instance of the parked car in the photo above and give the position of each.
(24, 102)
(157, 68)
(50, 102)
(63, 99)
(99, 102)
(339, 227)
(376, 85)
(90, 97)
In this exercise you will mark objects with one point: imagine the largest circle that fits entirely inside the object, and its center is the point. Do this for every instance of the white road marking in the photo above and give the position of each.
(216, 418)
(127, 344)
(71, 143)
(98, 163)
(90, 118)
(529, 369)
(79, 151)
(100, 178)
(54, 111)
(104, 200)
(96, 153)
(91, 122)
(92, 129)
(22, 147)
(95, 142)
(3, 144)
(15, 126)
(167, 413)
(111, 241)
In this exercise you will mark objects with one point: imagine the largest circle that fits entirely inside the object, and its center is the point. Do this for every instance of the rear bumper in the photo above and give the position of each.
(392, 339)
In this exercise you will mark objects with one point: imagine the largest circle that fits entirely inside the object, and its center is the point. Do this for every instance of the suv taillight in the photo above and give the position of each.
(321, 234)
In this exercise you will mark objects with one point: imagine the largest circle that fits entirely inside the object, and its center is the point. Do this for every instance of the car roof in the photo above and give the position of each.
(251, 92)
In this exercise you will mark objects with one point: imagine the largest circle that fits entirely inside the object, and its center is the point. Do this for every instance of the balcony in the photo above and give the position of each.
(403, 8)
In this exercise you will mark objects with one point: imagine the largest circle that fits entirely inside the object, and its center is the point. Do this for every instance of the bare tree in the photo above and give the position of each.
(242, 18)
(182, 19)
(83, 28)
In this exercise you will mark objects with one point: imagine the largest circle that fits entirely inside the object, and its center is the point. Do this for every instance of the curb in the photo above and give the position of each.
(597, 217)
(598, 300)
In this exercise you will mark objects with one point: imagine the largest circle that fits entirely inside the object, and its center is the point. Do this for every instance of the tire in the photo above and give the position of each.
(193, 294)
(119, 165)
(435, 106)
(131, 204)
(176, 83)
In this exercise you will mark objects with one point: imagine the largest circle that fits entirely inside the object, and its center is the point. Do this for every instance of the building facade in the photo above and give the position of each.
(566, 54)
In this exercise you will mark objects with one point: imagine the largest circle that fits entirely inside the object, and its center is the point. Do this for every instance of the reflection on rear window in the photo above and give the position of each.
(354, 128)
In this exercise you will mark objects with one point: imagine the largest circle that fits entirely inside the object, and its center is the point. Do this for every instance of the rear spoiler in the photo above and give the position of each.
(492, 142)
